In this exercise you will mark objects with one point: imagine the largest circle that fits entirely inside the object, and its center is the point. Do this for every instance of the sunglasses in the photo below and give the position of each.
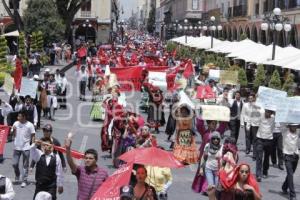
(244, 171)
(215, 138)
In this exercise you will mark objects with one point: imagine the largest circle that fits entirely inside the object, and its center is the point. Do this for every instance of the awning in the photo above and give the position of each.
(12, 34)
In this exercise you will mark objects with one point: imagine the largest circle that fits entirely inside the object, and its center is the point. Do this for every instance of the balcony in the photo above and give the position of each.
(85, 14)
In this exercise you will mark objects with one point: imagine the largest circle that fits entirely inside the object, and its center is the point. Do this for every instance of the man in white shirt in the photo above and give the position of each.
(264, 142)
(82, 76)
(6, 189)
(49, 173)
(250, 118)
(24, 133)
(291, 157)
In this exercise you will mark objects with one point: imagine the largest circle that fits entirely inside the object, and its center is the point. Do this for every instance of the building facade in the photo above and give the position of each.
(96, 21)
(241, 18)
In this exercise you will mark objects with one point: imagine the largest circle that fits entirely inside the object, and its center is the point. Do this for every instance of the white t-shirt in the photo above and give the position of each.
(212, 159)
(23, 135)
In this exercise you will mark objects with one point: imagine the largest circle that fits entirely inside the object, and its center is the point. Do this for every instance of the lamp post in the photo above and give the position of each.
(213, 28)
(86, 25)
(199, 27)
(276, 22)
(185, 26)
(175, 26)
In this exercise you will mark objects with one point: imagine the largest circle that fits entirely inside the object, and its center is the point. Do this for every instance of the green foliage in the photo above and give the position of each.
(2, 78)
(3, 50)
(260, 77)
(234, 68)
(275, 81)
(44, 59)
(33, 45)
(22, 50)
(184, 52)
(171, 46)
(151, 19)
(40, 41)
(242, 77)
(287, 86)
(42, 15)
(243, 36)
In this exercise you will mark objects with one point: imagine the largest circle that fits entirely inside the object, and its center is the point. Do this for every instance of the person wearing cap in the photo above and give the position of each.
(82, 77)
(264, 142)
(49, 174)
(290, 135)
(126, 193)
(47, 133)
(210, 163)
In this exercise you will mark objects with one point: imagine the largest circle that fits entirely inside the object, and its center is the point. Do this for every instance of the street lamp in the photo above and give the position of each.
(86, 25)
(185, 25)
(213, 28)
(276, 23)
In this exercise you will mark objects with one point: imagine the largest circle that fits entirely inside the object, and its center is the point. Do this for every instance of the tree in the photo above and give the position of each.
(275, 81)
(260, 77)
(15, 16)
(67, 10)
(151, 19)
(41, 15)
(171, 46)
(287, 86)
(3, 51)
(34, 42)
(242, 77)
(22, 51)
(40, 41)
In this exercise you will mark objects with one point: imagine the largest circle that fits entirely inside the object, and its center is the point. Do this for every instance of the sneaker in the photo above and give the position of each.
(24, 184)
(17, 179)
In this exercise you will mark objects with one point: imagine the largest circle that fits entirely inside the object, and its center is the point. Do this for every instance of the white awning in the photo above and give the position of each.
(12, 34)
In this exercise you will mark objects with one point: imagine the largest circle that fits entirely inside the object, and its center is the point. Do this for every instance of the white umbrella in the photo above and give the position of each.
(12, 34)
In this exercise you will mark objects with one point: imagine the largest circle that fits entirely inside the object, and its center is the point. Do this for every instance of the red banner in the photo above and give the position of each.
(129, 78)
(4, 130)
(205, 92)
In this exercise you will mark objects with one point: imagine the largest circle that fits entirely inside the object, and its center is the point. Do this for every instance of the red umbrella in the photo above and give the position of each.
(110, 189)
(151, 156)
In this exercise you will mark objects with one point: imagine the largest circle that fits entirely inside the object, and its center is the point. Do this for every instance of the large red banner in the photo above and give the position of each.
(4, 130)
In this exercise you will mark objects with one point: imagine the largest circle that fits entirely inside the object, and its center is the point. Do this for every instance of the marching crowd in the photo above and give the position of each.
(220, 174)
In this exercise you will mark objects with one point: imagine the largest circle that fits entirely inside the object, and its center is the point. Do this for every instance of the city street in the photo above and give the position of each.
(86, 135)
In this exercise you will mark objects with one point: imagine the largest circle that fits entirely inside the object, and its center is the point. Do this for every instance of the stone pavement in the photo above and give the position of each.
(86, 135)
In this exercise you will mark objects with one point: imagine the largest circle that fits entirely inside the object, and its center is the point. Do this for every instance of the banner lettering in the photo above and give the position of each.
(269, 98)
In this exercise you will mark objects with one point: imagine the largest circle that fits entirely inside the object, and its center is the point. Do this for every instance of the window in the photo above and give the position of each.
(87, 6)
(195, 4)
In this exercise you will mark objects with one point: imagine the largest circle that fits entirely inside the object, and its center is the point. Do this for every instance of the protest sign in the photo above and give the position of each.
(205, 92)
(228, 77)
(157, 76)
(28, 87)
(269, 98)
(8, 84)
(215, 112)
(214, 74)
(289, 111)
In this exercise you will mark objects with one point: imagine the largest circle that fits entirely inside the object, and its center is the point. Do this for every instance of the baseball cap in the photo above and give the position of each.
(48, 127)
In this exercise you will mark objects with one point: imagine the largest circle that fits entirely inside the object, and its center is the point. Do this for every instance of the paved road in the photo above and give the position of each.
(76, 119)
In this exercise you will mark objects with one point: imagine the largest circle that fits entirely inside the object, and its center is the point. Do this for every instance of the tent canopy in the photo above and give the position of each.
(12, 34)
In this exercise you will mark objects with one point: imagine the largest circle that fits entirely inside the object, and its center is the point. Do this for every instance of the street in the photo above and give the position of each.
(86, 135)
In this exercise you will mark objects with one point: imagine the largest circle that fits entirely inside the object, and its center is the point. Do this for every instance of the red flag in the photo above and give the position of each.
(81, 52)
(122, 60)
(189, 69)
(4, 130)
(74, 154)
(18, 74)
(134, 59)
(110, 189)
(205, 92)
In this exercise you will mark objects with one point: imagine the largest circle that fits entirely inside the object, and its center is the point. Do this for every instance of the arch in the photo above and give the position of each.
(86, 33)
(247, 32)
(234, 33)
(240, 32)
(263, 37)
(254, 34)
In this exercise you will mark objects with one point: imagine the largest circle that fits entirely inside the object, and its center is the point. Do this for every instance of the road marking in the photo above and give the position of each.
(82, 147)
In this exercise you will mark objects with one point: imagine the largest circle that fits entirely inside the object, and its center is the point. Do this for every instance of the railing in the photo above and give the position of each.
(85, 14)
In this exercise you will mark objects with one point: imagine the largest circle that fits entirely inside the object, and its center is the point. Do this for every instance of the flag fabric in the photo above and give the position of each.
(4, 130)
(74, 154)
(18, 74)
(189, 69)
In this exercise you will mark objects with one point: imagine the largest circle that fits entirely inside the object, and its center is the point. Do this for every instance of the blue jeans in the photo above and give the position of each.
(211, 177)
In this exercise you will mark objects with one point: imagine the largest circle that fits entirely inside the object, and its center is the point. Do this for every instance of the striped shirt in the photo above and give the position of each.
(86, 179)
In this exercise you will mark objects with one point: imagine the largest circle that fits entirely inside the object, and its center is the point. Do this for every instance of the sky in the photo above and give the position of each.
(128, 5)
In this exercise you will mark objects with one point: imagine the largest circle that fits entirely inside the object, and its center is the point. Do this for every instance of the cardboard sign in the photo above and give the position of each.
(28, 87)
(215, 112)
(214, 74)
(289, 111)
(228, 77)
(8, 84)
(269, 98)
